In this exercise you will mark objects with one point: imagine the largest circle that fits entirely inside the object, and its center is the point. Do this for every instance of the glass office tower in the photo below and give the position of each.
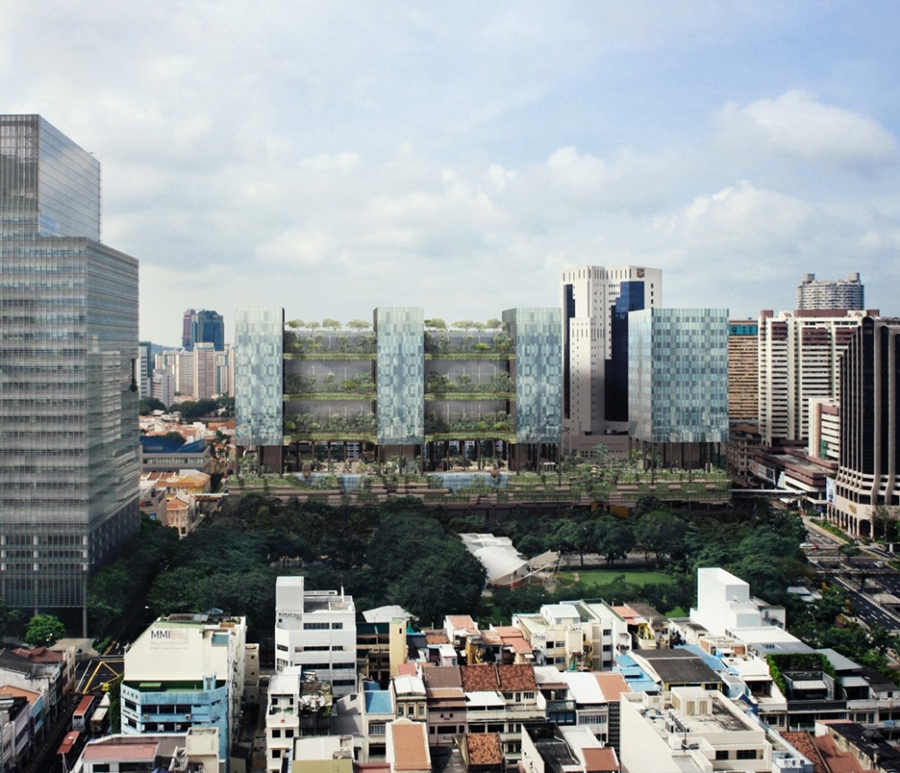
(678, 369)
(258, 376)
(400, 335)
(537, 335)
(68, 390)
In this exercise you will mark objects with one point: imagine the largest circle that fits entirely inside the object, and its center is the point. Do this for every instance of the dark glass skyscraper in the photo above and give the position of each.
(203, 327)
(68, 391)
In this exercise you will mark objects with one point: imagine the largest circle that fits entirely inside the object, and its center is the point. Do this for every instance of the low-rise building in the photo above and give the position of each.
(316, 630)
(186, 671)
(690, 729)
(501, 699)
(407, 747)
(575, 635)
(16, 734)
(548, 748)
(164, 453)
(298, 707)
(196, 751)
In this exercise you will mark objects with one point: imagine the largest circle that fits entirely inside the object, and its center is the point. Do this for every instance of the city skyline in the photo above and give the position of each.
(344, 157)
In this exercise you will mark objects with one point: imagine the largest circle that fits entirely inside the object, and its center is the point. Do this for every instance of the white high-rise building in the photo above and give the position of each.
(595, 303)
(799, 358)
(815, 293)
(317, 631)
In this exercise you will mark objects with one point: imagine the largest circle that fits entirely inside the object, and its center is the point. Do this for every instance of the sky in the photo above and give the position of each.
(331, 157)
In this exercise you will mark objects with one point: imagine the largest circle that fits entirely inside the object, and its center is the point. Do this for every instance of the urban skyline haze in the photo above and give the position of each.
(331, 158)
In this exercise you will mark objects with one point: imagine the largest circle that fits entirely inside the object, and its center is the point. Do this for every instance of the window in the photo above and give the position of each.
(607, 631)
(721, 754)
(337, 626)
(276, 752)
(288, 732)
(746, 754)
(281, 647)
(529, 696)
(377, 729)
(276, 733)
(315, 626)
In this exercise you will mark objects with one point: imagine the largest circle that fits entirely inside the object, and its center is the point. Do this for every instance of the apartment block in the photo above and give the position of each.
(868, 480)
(799, 358)
(743, 370)
(830, 294)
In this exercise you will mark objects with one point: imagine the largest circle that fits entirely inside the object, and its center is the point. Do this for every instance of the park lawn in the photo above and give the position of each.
(592, 578)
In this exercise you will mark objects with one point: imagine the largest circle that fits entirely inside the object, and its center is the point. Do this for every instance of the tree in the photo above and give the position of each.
(464, 324)
(493, 324)
(661, 533)
(11, 621)
(176, 437)
(150, 404)
(295, 323)
(436, 324)
(359, 324)
(44, 631)
(615, 538)
(331, 324)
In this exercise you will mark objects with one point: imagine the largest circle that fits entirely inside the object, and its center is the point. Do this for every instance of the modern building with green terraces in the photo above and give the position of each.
(402, 388)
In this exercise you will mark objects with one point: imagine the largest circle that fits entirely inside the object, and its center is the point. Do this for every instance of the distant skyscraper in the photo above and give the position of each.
(678, 389)
(869, 475)
(203, 327)
(145, 369)
(187, 329)
(68, 372)
(596, 302)
(838, 294)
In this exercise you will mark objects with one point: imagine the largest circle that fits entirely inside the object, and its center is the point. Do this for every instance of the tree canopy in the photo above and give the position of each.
(44, 631)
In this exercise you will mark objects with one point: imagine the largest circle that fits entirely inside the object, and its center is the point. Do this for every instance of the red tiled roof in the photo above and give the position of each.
(802, 742)
(39, 654)
(835, 760)
(120, 751)
(410, 745)
(442, 676)
(484, 749)
(479, 678)
(436, 637)
(18, 692)
(516, 677)
(600, 760)
(462, 622)
(407, 669)
(612, 685)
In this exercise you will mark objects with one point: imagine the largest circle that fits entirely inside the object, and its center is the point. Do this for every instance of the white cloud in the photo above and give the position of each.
(797, 125)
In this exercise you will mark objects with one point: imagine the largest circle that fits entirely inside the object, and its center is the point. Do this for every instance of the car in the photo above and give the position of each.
(809, 546)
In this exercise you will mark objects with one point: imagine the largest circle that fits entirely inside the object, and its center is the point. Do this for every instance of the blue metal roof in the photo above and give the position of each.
(378, 702)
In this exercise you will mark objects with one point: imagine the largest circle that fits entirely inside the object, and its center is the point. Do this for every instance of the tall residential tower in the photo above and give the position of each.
(68, 372)
(827, 294)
